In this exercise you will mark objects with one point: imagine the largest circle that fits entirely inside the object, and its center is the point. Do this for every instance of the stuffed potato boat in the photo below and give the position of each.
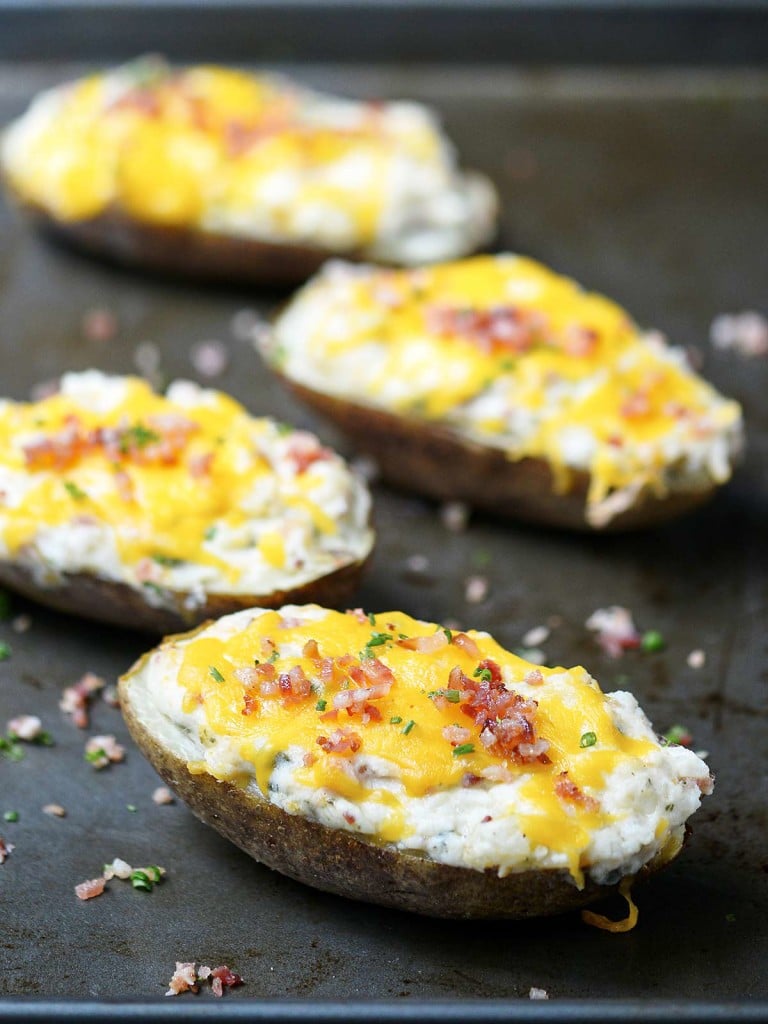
(394, 761)
(498, 382)
(159, 512)
(213, 172)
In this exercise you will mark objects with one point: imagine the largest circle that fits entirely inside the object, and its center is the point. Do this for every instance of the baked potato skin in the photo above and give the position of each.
(180, 252)
(339, 862)
(448, 467)
(119, 604)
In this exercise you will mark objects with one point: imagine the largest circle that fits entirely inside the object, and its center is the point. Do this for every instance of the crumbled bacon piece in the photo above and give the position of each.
(200, 465)
(124, 485)
(294, 685)
(580, 341)
(534, 677)
(90, 888)
(162, 795)
(6, 849)
(636, 405)
(357, 613)
(55, 810)
(259, 680)
(183, 979)
(74, 699)
(467, 644)
(499, 329)
(268, 647)
(104, 750)
(570, 792)
(615, 630)
(425, 644)
(456, 734)
(311, 650)
(304, 450)
(341, 741)
(25, 727)
(99, 324)
(222, 977)
(469, 779)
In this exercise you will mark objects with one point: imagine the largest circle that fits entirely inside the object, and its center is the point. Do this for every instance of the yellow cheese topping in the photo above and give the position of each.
(170, 148)
(165, 478)
(558, 802)
(555, 363)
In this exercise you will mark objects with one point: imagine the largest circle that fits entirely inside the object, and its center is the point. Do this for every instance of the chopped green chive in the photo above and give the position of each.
(215, 674)
(588, 739)
(448, 634)
(372, 618)
(484, 674)
(75, 492)
(395, 720)
(454, 696)
(5, 650)
(678, 734)
(409, 725)
(141, 880)
(463, 748)
(378, 639)
(43, 739)
(321, 705)
(652, 641)
(137, 436)
(273, 657)
(168, 560)
(730, 918)
(11, 816)
(210, 533)
(10, 749)
(284, 428)
(132, 808)
(93, 756)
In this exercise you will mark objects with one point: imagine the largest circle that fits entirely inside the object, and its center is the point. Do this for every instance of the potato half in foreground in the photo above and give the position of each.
(497, 382)
(394, 761)
(159, 512)
(216, 173)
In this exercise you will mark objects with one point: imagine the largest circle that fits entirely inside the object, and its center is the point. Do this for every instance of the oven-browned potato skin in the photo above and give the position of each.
(431, 459)
(95, 597)
(348, 865)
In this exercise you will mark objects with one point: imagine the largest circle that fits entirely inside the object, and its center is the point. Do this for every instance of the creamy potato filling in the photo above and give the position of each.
(508, 353)
(186, 491)
(425, 738)
(251, 155)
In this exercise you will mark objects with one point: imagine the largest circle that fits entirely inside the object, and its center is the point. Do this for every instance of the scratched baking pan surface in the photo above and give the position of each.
(649, 186)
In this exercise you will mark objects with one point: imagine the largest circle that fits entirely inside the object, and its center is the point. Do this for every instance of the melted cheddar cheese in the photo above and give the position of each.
(513, 355)
(390, 763)
(223, 150)
(184, 491)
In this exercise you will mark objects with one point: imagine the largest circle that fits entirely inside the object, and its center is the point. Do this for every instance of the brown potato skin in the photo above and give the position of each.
(181, 252)
(346, 864)
(418, 455)
(94, 597)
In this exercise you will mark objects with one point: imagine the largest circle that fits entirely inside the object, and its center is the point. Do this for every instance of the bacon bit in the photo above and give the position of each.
(425, 644)
(200, 465)
(101, 751)
(500, 329)
(349, 818)
(25, 727)
(6, 849)
(476, 589)
(342, 741)
(497, 773)
(570, 792)
(615, 630)
(696, 659)
(75, 699)
(55, 811)
(311, 650)
(579, 341)
(357, 613)
(534, 678)
(142, 99)
(308, 760)
(467, 644)
(147, 571)
(506, 719)
(99, 325)
(124, 486)
(162, 796)
(294, 685)
(743, 333)
(268, 647)
(183, 979)
(469, 779)
(456, 734)
(222, 977)
(209, 358)
(304, 450)
(91, 888)
(636, 405)
(707, 786)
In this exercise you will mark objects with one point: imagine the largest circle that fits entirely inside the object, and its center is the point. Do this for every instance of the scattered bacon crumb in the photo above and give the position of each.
(55, 810)
(425, 644)
(357, 613)
(74, 699)
(744, 333)
(183, 979)
(534, 678)
(454, 515)
(456, 734)
(25, 727)
(225, 979)
(696, 659)
(90, 888)
(341, 741)
(304, 450)
(467, 644)
(209, 358)
(200, 465)
(511, 329)
(615, 630)
(105, 750)
(569, 791)
(6, 849)
(162, 795)
(476, 589)
(99, 324)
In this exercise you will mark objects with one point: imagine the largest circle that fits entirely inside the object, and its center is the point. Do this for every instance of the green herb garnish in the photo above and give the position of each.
(463, 748)
(395, 720)
(409, 725)
(483, 674)
(146, 878)
(321, 705)
(11, 816)
(168, 560)
(132, 808)
(210, 533)
(588, 739)
(10, 749)
(454, 696)
(75, 492)
(94, 756)
(652, 641)
(678, 734)
(5, 650)
(215, 674)
(378, 639)
(372, 618)
(137, 436)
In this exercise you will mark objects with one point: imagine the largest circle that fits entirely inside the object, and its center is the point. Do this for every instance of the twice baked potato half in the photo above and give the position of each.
(391, 760)
(158, 512)
(495, 381)
(216, 173)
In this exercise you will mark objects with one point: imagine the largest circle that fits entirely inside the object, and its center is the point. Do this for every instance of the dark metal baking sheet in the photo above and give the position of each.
(648, 186)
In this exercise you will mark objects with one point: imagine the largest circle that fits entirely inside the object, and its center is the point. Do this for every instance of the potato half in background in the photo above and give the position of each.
(216, 173)
(159, 512)
(496, 381)
(398, 762)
